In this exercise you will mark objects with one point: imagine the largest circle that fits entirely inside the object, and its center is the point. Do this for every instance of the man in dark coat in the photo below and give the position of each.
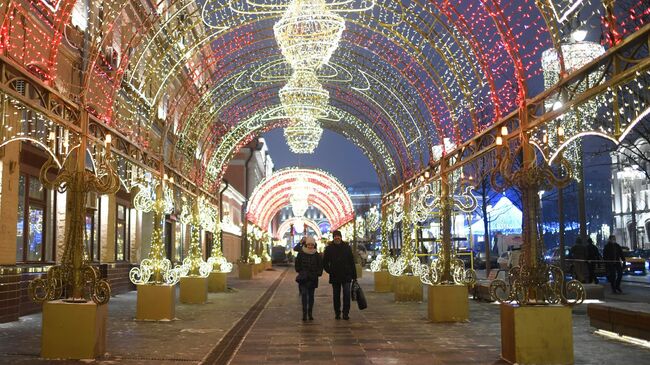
(339, 264)
(614, 260)
(593, 257)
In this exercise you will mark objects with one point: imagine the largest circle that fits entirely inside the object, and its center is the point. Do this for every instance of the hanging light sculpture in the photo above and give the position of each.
(308, 33)
(303, 97)
(299, 198)
(303, 136)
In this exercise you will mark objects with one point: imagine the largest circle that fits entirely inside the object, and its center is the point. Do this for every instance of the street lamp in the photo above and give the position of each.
(628, 176)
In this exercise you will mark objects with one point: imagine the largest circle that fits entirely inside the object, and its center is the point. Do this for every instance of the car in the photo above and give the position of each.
(279, 255)
(635, 264)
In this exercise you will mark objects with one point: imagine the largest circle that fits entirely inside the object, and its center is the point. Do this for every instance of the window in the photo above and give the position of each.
(30, 234)
(91, 234)
(122, 233)
(178, 241)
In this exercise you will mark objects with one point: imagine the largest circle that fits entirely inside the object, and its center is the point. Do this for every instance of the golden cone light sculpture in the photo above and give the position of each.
(308, 33)
(303, 136)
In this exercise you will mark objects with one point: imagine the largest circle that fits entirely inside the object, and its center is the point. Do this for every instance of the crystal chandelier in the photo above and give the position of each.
(303, 136)
(303, 97)
(308, 33)
(299, 198)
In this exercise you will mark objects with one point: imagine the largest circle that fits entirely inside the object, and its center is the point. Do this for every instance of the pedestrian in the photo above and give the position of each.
(614, 261)
(339, 264)
(309, 266)
(593, 257)
(579, 258)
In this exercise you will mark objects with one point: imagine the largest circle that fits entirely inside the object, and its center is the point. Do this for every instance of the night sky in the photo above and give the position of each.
(334, 154)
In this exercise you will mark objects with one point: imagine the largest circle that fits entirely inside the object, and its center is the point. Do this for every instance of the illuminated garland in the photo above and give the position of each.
(194, 265)
(156, 269)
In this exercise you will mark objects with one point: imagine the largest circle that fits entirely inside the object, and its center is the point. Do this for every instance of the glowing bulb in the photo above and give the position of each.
(504, 131)
(557, 105)
(499, 141)
(560, 131)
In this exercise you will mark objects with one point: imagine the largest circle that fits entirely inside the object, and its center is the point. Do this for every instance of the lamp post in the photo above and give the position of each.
(628, 177)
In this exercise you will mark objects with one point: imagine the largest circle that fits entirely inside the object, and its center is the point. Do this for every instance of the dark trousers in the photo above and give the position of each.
(614, 275)
(592, 272)
(336, 291)
(307, 296)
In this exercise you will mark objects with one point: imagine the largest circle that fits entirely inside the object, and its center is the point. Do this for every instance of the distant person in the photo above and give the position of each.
(593, 257)
(339, 264)
(614, 260)
(309, 266)
(579, 256)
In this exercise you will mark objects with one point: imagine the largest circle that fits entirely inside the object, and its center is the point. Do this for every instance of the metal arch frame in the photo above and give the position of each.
(493, 2)
(218, 161)
(442, 22)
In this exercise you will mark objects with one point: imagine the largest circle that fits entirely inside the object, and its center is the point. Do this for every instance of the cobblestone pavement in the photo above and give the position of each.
(397, 333)
(385, 333)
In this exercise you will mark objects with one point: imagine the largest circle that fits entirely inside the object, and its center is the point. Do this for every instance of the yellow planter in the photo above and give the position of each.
(448, 303)
(383, 282)
(156, 302)
(408, 288)
(194, 290)
(537, 334)
(245, 271)
(217, 282)
(73, 330)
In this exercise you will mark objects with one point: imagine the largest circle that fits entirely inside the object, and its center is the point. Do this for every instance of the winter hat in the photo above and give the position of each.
(309, 240)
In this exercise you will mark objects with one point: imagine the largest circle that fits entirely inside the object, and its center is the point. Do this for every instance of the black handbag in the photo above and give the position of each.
(302, 277)
(358, 296)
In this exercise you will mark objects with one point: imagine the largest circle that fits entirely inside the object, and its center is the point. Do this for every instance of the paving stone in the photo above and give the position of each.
(384, 334)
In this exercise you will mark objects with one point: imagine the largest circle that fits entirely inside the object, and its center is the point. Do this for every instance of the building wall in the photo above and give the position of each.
(622, 194)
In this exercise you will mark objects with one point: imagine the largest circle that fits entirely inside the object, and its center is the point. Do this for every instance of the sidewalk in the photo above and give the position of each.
(385, 333)
(183, 341)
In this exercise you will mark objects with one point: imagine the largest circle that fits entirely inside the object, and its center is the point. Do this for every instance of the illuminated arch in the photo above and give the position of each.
(325, 193)
(286, 225)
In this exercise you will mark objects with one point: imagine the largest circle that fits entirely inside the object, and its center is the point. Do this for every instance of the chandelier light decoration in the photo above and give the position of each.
(303, 136)
(156, 269)
(299, 198)
(303, 97)
(308, 34)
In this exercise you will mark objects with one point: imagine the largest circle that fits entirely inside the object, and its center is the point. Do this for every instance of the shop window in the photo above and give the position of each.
(209, 242)
(91, 234)
(122, 233)
(32, 221)
(178, 241)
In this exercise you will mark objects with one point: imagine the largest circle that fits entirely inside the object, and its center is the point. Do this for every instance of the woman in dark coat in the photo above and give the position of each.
(309, 267)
